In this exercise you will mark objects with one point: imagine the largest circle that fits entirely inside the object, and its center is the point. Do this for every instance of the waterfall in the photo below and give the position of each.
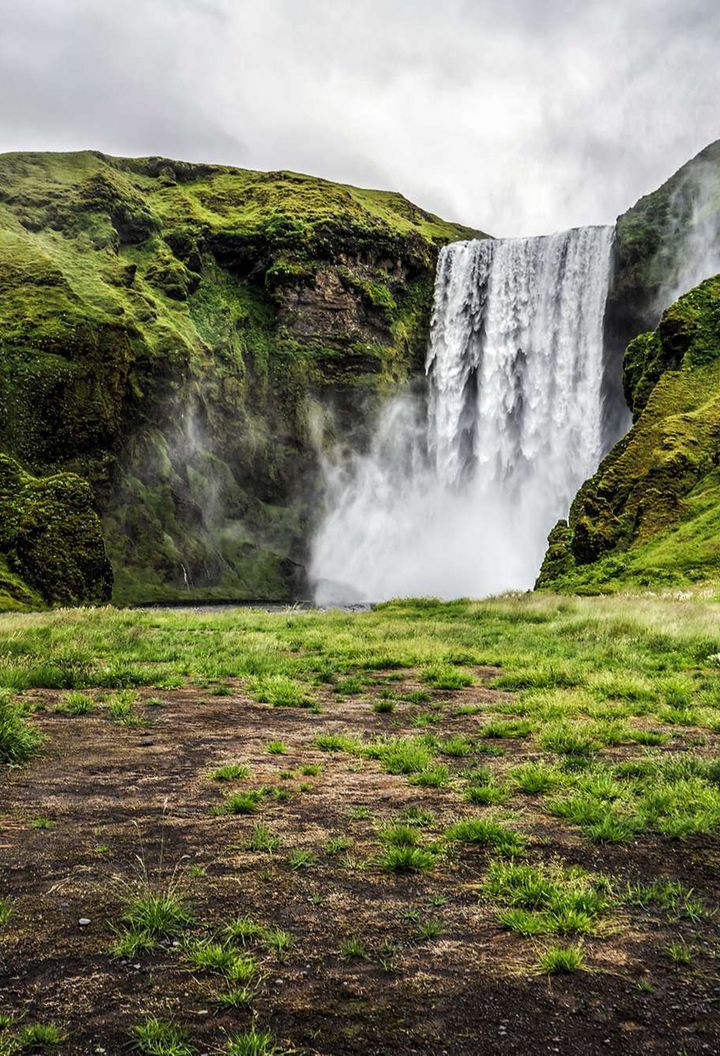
(458, 491)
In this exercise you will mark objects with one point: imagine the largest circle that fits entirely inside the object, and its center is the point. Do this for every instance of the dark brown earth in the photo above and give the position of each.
(114, 792)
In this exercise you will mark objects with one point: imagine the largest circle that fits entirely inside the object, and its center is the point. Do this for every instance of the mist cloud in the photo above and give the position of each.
(517, 117)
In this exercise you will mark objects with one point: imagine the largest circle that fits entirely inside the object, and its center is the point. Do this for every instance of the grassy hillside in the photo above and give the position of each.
(176, 333)
(651, 514)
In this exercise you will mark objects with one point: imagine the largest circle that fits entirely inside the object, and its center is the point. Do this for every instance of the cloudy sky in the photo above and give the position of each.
(517, 116)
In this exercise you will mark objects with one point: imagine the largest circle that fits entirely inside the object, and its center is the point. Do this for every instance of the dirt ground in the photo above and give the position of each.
(113, 793)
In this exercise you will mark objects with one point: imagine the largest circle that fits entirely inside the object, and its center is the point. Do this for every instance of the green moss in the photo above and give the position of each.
(51, 540)
(168, 331)
(650, 244)
(650, 514)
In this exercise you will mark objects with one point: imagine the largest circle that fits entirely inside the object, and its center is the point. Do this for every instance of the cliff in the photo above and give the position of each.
(650, 516)
(184, 338)
(664, 246)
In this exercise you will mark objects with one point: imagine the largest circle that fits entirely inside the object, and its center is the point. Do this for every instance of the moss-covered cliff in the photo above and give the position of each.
(664, 245)
(183, 336)
(51, 541)
(651, 514)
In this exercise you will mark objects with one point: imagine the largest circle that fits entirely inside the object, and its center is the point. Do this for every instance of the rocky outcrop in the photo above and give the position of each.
(651, 514)
(51, 540)
(664, 246)
(186, 337)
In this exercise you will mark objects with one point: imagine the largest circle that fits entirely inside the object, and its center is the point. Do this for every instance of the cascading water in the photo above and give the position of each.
(457, 493)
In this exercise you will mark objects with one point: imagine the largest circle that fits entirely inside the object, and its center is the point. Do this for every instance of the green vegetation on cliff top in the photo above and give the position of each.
(170, 331)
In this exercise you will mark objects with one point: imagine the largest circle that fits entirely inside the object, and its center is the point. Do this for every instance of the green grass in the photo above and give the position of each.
(383, 706)
(338, 845)
(38, 1037)
(5, 911)
(278, 941)
(485, 833)
(302, 859)
(566, 740)
(535, 779)
(486, 795)
(430, 929)
(337, 742)
(400, 836)
(276, 748)
(665, 895)
(353, 949)
(18, 740)
(499, 729)
(236, 997)
(163, 915)
(243, 802)
(75, 704)
(609, 645)
(400, 755)
(253, 1042)
(42, 823)
(263, 839)
(406, 859)
(155, 1037)
(431, 777)
(589, 678)
(231, 772)
(443, 676)
(679, 953)
(560, 960)
(131, 943)
(456, 747)
(281, 691)
(675, 798)
(121, 708)
(546, 899)
(223, 960)
(244, 930)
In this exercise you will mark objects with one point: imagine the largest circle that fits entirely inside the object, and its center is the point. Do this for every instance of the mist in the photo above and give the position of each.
(692, 236)
(462, 483)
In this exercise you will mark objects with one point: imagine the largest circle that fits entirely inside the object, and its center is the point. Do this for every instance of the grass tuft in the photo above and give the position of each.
(557, 960)
(155, 1037)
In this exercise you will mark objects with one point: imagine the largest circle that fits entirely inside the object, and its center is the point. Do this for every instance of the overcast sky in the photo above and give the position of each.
(516, 116)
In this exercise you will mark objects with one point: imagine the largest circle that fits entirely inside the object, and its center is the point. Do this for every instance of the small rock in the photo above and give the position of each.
(146, 743)
(84, 921)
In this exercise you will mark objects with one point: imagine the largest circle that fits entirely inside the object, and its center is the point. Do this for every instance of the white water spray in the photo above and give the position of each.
(457, 498)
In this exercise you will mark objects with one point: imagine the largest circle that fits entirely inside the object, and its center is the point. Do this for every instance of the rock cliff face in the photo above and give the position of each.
(185, 338)
(664, 246)
(651, 514)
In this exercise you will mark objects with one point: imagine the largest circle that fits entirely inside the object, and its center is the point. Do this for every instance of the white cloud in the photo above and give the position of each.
(518, 117)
